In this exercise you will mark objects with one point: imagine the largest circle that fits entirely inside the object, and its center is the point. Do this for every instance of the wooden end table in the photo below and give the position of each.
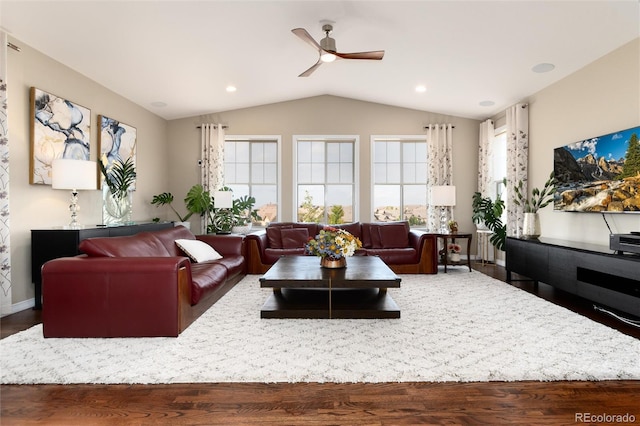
(444, 255)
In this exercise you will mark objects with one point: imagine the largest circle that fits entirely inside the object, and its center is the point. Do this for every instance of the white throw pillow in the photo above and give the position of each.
(198, 251)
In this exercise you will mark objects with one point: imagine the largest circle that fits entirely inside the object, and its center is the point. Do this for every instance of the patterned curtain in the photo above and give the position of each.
(485, 160)
(486, 185)
(440, 166)
(5, 243)
(517, 163)
(212, 171)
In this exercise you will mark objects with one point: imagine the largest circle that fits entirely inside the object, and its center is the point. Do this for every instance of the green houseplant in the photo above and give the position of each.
(197, 201)
(119, 178)
(243, 211)
(240, 216)
(489, 212)
(538, 200)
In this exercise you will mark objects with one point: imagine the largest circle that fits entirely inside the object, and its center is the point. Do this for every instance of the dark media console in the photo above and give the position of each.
(590, 271)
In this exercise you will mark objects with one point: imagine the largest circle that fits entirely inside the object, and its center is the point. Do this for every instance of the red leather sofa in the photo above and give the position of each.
(404, 250)
(135, 286)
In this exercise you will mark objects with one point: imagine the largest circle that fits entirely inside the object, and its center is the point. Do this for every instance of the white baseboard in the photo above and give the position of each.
(21, 306)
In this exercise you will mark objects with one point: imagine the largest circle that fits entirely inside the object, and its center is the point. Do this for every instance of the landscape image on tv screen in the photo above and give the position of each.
(600, 174)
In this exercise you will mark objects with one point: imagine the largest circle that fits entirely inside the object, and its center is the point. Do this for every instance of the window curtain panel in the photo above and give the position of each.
(212, 168)
(439, 166)
(485, 160)
(486, 186)
(517, 163)
(5, 244)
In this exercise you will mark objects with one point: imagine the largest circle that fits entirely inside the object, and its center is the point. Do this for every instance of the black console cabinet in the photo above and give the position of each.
(590, 271)
(47, 244)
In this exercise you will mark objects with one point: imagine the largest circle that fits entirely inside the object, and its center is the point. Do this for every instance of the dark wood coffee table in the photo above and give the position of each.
(302, 289)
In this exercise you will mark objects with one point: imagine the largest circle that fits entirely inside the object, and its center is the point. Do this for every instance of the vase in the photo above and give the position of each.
(116, 210)
(454, 257)
(329, 263)
(531, 226)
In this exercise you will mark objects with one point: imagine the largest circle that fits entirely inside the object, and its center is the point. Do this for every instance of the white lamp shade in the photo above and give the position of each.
(443, 195)
(73, 174)
(223, 199)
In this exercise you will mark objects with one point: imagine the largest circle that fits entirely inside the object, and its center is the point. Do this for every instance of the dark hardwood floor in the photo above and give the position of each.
(530, 403)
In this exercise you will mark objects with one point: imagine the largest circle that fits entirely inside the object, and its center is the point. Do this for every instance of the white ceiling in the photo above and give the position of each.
(185, 53)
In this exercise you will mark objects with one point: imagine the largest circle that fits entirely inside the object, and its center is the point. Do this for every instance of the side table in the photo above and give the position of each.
(445, 241)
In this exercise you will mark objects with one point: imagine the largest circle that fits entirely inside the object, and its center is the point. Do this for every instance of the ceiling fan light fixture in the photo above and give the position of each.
(327, 57)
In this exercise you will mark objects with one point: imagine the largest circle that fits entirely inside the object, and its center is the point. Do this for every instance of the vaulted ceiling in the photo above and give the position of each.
(176, 58)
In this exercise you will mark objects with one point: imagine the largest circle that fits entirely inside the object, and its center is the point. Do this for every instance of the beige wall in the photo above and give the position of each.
(38, 206)
(598, 99)
(329, 115)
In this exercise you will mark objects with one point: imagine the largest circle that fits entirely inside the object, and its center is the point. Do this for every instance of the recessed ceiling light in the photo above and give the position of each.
(486, 103)
(421, 88)
(231, 89)
(543, 67)
(159, 104)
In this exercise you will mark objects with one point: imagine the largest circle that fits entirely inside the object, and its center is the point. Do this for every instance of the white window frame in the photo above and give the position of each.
(265, 138)
(356, 168)
(400, 138)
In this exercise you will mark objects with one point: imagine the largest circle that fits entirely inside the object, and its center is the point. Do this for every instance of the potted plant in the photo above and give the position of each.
(539, 199)
(244, 214)
(488, 212)
(237, 219)
(454, 252)
(119, 177)
(197, 201)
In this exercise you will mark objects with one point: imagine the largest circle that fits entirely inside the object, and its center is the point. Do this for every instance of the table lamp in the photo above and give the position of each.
(74, 175)
(224, 200)
(443, 196)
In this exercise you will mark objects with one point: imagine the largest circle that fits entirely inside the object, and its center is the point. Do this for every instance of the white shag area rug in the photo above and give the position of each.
(459, 326)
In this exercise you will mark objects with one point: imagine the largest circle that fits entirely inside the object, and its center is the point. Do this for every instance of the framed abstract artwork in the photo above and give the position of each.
(59, 128)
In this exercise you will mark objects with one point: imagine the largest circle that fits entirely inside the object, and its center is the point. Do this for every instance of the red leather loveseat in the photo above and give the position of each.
(139, 285)
(404, 250)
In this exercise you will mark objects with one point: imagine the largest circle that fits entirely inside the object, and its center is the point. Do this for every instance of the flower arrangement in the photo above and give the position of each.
(333, 243)
(454, 248)
(453, 225)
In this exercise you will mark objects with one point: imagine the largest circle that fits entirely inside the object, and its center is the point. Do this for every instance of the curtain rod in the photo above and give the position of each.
(429, 126)
(13, 46)
(215, 127)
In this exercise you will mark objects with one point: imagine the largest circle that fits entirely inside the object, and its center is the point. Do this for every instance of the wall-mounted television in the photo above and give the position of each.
(600, 174)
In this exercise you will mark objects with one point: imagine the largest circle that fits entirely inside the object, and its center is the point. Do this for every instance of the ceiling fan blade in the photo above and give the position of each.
(306, 37)
(375, 55)
(308, 72)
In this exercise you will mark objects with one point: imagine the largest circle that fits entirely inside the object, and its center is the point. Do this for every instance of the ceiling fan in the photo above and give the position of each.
(327, 49)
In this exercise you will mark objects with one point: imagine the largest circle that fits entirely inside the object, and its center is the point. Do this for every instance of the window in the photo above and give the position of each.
(499, 158)
(399, 179)
(251, 168)
(325, 178)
